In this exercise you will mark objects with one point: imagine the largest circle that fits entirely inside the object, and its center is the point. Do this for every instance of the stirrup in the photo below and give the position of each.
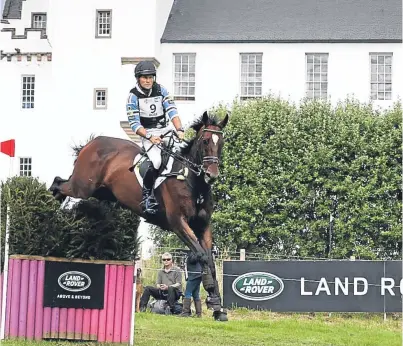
(149, 205)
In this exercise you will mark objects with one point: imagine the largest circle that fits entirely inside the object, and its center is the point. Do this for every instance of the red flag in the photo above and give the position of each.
(8, 147)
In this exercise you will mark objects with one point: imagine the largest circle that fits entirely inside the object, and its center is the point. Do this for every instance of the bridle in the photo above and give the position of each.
(195, 168)
(210, 159)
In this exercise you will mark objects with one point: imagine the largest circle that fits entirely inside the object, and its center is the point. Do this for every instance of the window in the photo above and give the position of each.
(184, 76)
(381, 76)
(100, 98)
(104, 24)
(25, 166)
(28, 91)
(316, 75)
(38, 20)
(251, 75)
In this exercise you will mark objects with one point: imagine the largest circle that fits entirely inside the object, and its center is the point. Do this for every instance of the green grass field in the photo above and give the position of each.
(259, 328)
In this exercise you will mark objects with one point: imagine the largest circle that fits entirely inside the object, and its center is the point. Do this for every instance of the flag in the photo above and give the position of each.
(8, 147)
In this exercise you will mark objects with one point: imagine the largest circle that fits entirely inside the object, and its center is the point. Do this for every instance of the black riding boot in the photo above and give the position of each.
(149, 203)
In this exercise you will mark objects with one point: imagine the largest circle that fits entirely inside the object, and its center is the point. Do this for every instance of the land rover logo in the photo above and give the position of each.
(257, 286)
(74, 281)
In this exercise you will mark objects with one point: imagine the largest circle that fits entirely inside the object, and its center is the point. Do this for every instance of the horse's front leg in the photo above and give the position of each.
(210, 282)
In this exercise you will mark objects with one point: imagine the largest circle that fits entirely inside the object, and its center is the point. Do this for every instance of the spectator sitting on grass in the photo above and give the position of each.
(168, 287)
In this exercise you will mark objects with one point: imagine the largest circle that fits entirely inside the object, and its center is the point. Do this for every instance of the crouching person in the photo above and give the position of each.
(169, 286)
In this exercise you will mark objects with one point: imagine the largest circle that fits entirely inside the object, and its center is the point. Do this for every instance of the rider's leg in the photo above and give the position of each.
(154, 154)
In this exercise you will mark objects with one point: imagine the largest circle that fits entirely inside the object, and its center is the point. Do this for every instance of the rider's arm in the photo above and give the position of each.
(133, 115)
(170, 107)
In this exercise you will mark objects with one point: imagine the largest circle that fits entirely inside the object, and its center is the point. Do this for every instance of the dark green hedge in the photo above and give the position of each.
(91, 229)
(287, 169)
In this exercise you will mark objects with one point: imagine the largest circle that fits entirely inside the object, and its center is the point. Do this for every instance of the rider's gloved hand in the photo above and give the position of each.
(181, 135)
(155, 140)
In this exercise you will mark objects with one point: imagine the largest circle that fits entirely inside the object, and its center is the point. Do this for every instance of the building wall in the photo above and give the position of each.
(64, 112)
(284, 70)
(27, 126)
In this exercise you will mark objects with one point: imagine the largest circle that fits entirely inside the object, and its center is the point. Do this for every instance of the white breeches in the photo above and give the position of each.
(154, 153)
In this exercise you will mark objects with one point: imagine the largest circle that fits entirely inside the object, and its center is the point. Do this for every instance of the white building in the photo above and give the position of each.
(66, 67)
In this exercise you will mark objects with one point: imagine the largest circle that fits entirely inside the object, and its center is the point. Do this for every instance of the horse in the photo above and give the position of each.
(103, 169)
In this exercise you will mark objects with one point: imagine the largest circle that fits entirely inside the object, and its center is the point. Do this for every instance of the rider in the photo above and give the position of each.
(147, 106)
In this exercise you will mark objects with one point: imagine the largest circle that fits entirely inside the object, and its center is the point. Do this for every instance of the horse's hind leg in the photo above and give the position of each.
(62, 188)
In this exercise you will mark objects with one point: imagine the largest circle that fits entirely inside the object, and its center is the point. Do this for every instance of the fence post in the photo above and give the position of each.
(242, 255)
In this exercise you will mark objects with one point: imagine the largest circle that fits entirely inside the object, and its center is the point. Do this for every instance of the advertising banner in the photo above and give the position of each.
(74, 285)
(320, 286)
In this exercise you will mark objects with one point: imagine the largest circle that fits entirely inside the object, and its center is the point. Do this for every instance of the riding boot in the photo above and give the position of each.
(186, 308)
(149, 203)
(198, 307)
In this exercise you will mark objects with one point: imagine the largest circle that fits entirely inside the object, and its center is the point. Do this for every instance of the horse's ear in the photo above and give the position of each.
(224, 122)
(202, 122)
(205, 118)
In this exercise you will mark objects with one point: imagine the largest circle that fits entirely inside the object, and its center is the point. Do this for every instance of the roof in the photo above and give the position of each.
(12, 9)
(212, 21)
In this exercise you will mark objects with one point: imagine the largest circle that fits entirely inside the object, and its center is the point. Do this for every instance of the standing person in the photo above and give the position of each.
(147, 108)
(193, 275)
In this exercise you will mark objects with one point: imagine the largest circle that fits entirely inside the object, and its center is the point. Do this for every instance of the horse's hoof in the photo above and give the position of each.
(213, 303)
(220, 315)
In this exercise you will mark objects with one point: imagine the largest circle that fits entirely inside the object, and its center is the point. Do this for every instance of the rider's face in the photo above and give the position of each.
(146, 81)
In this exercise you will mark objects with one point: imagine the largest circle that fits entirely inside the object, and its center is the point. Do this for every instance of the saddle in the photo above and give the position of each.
(141, 163)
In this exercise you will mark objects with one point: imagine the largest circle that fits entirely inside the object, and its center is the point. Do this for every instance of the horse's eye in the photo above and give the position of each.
(205, 141)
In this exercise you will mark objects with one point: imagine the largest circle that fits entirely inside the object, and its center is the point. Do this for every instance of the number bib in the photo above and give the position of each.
(151, 107)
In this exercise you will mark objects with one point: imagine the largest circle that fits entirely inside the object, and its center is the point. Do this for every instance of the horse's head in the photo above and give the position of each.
(209, 142)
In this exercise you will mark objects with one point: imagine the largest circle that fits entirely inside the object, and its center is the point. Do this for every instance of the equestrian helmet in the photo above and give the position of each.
(145, 68)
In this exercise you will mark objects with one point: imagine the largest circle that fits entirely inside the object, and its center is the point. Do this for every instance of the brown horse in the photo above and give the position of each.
(101, 170)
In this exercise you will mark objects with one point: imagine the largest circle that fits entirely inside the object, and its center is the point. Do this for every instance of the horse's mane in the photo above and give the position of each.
(78, 147)
(197, 125)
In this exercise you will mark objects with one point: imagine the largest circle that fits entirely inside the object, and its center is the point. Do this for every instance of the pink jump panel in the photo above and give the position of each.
(63, 323)
(102, 313)
(28, 319)
(71, 318)
(94, 324)
(110, 311)
(39, 301)
(78, 328)
(127, 303)
(54, 323)
(15, 299)
(22, 323)
(86, 324)
(9, 297)
(47, 318)
(33, 279)
(1, 292)
(117, 327)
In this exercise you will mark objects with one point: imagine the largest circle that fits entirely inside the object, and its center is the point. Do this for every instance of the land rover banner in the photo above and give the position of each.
(304, 286)
(74, 285)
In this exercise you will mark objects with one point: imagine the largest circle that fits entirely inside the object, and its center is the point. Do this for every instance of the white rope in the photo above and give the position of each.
(284, 279)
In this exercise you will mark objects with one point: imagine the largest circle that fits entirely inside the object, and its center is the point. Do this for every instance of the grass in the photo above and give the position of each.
(259, 328)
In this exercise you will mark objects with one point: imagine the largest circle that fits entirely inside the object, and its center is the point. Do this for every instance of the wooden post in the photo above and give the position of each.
(242, 255)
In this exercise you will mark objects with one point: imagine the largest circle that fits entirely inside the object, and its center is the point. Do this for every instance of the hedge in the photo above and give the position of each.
(91, 229)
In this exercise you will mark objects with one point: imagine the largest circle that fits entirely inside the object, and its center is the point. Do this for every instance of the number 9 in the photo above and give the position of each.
(153, 108)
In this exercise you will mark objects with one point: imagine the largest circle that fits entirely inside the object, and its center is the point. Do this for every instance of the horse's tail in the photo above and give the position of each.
(78, 147)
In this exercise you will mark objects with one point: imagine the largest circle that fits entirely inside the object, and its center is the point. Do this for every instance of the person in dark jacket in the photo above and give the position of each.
(193, 275)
